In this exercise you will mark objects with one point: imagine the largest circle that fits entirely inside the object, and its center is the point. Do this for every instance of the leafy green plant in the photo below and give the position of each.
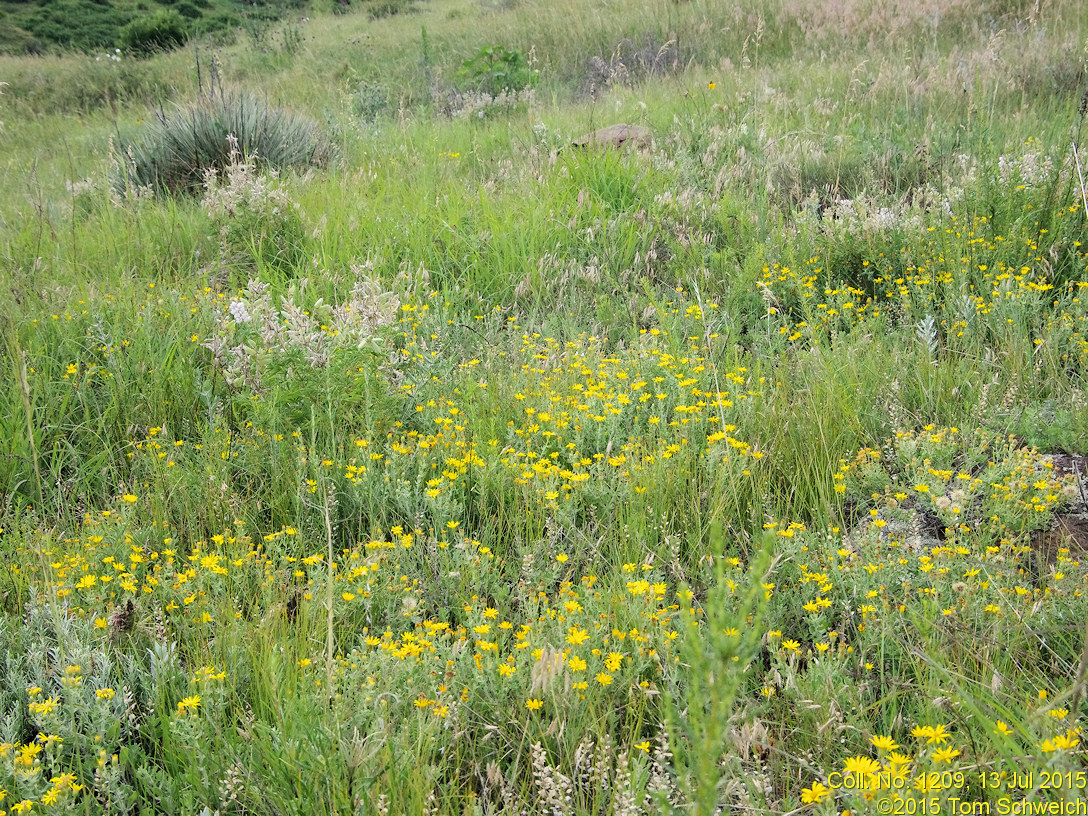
(716, 662)
(496, 69)
(371, 100)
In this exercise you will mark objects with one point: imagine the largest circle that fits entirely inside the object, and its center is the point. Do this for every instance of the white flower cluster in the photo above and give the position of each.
(1028, 170)
(238, 311)
(866, 215)
(476, 104)
(318, 332)
(244, 190)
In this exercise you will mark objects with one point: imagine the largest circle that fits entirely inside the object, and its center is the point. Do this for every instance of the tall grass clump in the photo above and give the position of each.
(162, 31)
(183, 145)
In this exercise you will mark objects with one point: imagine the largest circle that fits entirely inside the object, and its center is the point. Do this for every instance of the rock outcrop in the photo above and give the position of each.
(616, 136)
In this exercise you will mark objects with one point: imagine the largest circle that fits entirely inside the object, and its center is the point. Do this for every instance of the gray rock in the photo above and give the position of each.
(616, 136)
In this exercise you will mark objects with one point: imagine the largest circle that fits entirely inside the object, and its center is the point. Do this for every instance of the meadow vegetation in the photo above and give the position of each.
(364, 447)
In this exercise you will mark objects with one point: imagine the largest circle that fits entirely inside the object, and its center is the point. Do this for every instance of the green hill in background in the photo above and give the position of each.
(102, 25)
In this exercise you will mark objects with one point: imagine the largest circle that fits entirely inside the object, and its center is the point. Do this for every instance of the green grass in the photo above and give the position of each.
(470, 472)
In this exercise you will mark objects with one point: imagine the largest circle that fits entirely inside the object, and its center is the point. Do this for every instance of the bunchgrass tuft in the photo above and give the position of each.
(183, 145)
